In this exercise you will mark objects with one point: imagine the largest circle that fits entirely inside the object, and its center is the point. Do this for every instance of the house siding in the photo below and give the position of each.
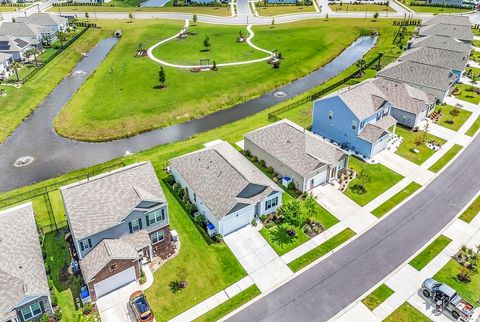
(44, 304)
(405, 118)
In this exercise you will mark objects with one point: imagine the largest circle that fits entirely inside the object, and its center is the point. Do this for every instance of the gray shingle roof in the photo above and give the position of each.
(459, 32)
(218, 174)
(403, 96)
(43, 19)
(417, 73)
(22, 271)
(104, 201)
(372, 133)
(437, 57)
(300, 150)
(13, 44)
(4, 57)
(363, 99)
(448, 19)
(103, 253)
(19, 29)
(442, 42)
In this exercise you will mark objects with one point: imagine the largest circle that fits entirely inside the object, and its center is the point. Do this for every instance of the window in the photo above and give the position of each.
(31, 311)
(379, 115)
(330, 115)
(341, 164)
(354, 125)
(85, 244)
(157, 236)
(194, 197)
(271, 203)
(362, 124)
(156, 216)
(135, 225)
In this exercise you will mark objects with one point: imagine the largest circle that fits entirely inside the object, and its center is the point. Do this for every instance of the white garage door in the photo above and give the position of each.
(317, 180)
(234, 222)
(116, 281)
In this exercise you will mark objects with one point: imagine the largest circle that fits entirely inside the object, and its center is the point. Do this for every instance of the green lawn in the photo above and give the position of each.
(277, 235)
(451, 121)
(210, 268)
(406, 313)
(475, 56)
(377, 297)
(449, 155)
(405, 149)
(270, 11)
(223, 11)
(474, 128)
(4, 8)
(430, 252)
(230, 305)
(224, 49)
(476, 43)
(127, 101)
(345, 7)
(472, 211)
(466, 94)
(321, 250)
(380, 179)
(469, 291)
(433, 9)
(396, 199)
(474, 70)
(20, 102)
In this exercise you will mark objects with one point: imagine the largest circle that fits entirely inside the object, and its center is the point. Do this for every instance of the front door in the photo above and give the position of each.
(312, 184)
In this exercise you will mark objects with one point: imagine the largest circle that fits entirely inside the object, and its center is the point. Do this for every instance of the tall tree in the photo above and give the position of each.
(206, 43)
(34, 51)
(362, 65)
(16, 66)
(194, 18)
(162, 78)
(62, 36)
(291, 212)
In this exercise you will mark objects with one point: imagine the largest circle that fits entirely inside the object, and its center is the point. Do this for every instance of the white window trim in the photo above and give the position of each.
(156, 233)
(271, 203)
(85, 244)
(330, 115)
(156, 216)
(31, 311)
(354, 125)
(137, 227)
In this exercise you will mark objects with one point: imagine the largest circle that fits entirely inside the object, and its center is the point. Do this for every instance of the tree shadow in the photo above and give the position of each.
(280, 236)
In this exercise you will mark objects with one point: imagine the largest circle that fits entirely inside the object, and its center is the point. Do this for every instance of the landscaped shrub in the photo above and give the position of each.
(190, 208)
(87, 309)
(269, 225)
(247, 153)
(200, 219)
(261, 163)
(171, 179)
(57, 314)
(291, 185)
(270, 170)
(181, 193)
(45, 318)
(358, 189)
(263, 218)
(176, 188)
(54, 299)
(254, 158)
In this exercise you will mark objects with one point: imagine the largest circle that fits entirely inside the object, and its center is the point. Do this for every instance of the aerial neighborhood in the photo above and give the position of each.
(211, 160)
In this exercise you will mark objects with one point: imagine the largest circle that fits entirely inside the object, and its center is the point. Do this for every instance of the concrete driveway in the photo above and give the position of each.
(114, 306)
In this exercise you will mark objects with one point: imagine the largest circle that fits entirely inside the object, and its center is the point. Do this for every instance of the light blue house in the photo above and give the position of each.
(356, 118)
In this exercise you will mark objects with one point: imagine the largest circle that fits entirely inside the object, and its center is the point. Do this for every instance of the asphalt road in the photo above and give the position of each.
(325, 289)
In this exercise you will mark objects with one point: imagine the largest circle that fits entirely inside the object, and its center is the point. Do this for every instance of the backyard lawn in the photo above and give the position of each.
(430, 252)
(378, 179)
(473, 70)
(474, 128)
(472, 211)
(269, 11)
(449, 155)
(346, 7)
(448, 275)
(396, 199)
(409, 143)
(434, 9)
(467, 94)
(321, 250)
(377, 297)
(452, 118)
(406, 313)
(277, 235)
(128, 101)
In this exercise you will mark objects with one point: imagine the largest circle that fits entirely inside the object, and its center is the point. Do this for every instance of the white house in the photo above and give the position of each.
(225, 187)
(5, 61)
(48, 24)
(15, 46)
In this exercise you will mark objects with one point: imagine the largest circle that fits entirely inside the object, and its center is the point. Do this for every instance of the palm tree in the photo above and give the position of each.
(34, 51)
(62, 36)
(362, 65)
(16, 66)
(474, 79)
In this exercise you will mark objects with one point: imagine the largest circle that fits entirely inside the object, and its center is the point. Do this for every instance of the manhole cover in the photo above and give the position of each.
(280, 94)
(23, 161)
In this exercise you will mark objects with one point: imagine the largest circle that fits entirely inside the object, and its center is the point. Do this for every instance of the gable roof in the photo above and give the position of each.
(436, 57)
(417, 73)
(219, 175)
(363, 99)
(43, 19)
(442, 29)
(4, 57)
(19, 29)
(448, 19)
(13, 44)
(404, 96)
(297, 148)
(104, 201)
(22, 271)
(106, 251)
(372, 133)
(442, 42)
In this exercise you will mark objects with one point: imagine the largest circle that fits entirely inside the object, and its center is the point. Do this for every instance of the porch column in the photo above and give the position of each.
(150, 248)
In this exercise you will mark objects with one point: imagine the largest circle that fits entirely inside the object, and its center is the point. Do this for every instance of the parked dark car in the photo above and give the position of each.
(140, 307)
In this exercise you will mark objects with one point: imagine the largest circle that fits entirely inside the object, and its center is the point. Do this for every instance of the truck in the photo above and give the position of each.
(446, 298)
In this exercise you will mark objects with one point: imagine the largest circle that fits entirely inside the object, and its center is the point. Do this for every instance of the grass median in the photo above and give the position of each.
(430, 252)
(396, 199)
(447, 157)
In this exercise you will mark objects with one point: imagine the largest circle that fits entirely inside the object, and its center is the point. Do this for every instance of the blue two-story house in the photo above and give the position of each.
(117, 220)
(356, 118)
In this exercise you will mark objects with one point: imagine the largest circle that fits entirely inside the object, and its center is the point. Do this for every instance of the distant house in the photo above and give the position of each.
(448, 19)
(440, 42)
(296, 153)
(410, 106)
(356, 118)
(25, 295)
(281, 1)
(16, 47)
(30, 33)
(458, 3)
(434, 80)
(201, 1)
(454, 60)
(48, 24)
(460, 32)
(225, 187)
(116, 219)
(5, 61)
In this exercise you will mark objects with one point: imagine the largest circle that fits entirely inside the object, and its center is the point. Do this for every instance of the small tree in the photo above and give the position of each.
(362, 65)
(474, 79)
(379, 64)
(130, 16)
(16, 66)
(194, 18)
(62, 36)
(364, 177)
(162, 78)
(214, 66)
(291, 212)
(375, 15)
(206, 43)
(240, 35)
(182, 275)
(34, 51)
(86, 15)
(310, 206)
(326, 16)
(273, 21)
